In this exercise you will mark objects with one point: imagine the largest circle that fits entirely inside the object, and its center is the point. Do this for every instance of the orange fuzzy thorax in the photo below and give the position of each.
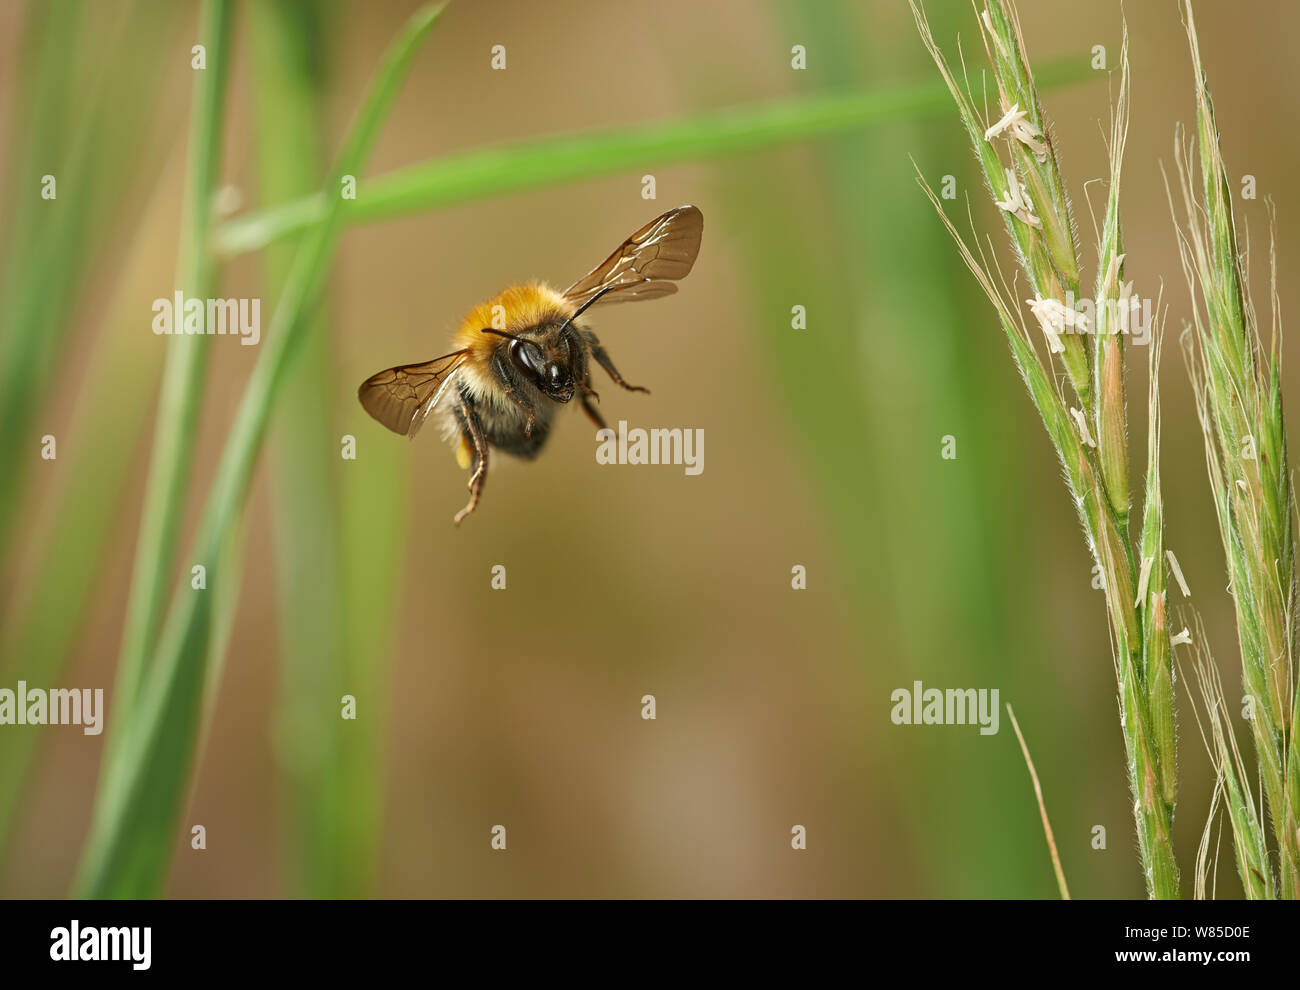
(522, 308)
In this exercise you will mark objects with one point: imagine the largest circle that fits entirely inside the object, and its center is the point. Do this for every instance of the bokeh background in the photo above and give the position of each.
(522, 707)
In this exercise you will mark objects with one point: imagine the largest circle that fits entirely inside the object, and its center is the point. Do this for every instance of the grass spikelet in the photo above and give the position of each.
(1091, 440)
(1236, 379)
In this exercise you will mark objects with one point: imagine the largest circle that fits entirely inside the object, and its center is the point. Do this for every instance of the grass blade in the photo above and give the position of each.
(181, 396)
(1042, 810)
(476, 174)
(81, 118)
(330, 845)
(145, 775)
(60, 580)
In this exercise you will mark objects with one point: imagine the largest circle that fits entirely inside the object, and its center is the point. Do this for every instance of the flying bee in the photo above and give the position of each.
(522, 355)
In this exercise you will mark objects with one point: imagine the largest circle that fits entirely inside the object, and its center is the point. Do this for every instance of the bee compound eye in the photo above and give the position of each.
(527, 357)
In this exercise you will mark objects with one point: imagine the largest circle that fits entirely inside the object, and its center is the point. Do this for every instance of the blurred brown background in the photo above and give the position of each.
(522, 707)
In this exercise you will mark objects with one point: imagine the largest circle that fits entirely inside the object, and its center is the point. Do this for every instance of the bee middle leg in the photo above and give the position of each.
(473, 431)
(602, 358)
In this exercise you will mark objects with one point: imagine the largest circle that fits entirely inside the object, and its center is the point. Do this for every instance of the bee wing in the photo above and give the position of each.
(647, 263)
(401, 398)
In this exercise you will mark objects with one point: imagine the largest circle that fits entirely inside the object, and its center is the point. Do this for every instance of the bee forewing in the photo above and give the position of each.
(401, 398)
(646, 264)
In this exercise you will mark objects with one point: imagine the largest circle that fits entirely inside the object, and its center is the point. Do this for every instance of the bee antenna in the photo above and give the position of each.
(500, 333)
(589, 303)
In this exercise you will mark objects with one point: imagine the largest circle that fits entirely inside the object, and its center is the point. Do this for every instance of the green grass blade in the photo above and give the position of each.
(329, 850)
(37, 636)
(81, 118)
(181, 397)
(100, 170)
(910, 310)
(145, 777)
(487, 172)
(38, 138)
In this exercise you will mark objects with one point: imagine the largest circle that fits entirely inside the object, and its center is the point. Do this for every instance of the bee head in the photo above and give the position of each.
(549, 367)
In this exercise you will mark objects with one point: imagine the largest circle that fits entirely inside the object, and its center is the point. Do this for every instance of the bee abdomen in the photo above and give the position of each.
(518, 444)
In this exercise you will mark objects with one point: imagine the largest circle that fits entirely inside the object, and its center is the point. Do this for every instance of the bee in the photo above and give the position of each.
(520, 356)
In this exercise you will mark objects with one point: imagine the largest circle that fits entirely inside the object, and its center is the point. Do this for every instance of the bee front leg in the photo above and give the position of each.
(473, 431)
(603, 360)
(592, 413)
(514, 392)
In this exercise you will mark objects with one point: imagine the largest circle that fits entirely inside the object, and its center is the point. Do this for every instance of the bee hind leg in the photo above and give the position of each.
(602, 358)
(473, 434)
(476, 481)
